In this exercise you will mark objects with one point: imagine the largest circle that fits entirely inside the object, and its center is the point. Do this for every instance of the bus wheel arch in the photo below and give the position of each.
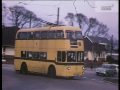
(51, 71)
(23, 68)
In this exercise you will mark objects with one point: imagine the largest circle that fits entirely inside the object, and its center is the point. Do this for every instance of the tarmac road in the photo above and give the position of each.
(16, 81)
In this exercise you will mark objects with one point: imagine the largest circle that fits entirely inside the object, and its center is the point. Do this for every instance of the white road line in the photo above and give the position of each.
(84, 77)
(93, 79)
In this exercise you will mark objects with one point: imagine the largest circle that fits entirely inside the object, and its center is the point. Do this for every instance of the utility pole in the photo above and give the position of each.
(58, 16)
(111, 44)
(30, 21)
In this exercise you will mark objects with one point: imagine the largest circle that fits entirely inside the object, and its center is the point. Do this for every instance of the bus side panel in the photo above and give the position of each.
(62, 70)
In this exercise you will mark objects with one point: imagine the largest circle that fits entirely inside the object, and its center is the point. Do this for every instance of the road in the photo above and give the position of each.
(16, 81)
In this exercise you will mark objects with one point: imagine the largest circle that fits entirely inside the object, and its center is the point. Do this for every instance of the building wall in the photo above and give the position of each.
(91, 56)
(8, 51)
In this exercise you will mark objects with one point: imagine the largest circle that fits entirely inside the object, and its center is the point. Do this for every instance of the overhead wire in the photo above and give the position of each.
(75, 6)
(89, 4)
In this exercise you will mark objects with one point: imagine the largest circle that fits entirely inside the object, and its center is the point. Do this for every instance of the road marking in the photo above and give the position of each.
(93, 79)
(101, 81)
(84, 77)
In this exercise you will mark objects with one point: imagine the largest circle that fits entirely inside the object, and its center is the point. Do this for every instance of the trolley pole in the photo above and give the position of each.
(30, 21)
(58, 16)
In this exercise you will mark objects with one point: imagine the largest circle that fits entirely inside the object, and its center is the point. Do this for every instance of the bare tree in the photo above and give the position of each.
(37, 22)
(5, 12)
(22, 17)
(60, 22)
(70, 17)
(92, 25)
(93, 22)
(82, 20)
(102, 30)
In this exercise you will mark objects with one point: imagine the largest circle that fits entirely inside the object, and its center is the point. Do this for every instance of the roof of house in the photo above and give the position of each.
(8, 35)
(96, 43)
(100, 40)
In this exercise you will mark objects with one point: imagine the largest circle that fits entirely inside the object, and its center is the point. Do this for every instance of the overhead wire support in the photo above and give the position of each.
(74, 6)
(89, 4)
(76, 13)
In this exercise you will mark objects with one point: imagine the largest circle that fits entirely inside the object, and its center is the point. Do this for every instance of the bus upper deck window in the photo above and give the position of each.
(31, 35)
(37, 35)
(78, 35)
(28, 35)
(59, 34)
(22, 35)
(18, 35)
(51, 35)
(44, 35)
(70, 34)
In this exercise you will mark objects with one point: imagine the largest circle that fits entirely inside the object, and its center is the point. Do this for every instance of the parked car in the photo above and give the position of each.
(116, 67)
(107, 70)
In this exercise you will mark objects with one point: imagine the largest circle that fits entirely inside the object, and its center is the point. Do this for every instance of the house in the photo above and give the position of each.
(8, 40)
(96, 48)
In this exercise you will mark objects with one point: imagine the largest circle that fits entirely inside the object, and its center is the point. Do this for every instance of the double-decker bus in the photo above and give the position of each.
(52, 50)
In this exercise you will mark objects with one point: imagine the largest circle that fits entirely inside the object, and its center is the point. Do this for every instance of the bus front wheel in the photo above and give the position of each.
(24, 69)
(52, 72)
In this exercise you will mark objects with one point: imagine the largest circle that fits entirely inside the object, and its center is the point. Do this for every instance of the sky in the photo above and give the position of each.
(104, 10)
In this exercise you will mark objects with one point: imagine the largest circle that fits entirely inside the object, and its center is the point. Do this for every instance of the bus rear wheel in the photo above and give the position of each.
(23, 69)
(52, 72)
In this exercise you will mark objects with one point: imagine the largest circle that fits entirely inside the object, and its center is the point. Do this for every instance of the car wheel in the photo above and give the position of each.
(97, 73)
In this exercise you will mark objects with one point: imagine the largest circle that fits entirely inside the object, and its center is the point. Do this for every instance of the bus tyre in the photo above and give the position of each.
(52, 72)
(23, 69)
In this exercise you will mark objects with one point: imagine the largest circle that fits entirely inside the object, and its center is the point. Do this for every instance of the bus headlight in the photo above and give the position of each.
(68, 68)
(83, 68)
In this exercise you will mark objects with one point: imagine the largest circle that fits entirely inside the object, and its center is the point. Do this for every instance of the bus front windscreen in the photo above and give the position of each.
(73, 56)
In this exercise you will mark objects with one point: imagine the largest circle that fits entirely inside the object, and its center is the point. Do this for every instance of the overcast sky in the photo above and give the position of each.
(105, 11)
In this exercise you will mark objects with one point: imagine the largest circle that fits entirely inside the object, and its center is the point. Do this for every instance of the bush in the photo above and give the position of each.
(110, 60)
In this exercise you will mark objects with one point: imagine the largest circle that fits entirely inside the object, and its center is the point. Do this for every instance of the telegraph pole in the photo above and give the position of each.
(30, 21)
(111, 44)
(58, 16)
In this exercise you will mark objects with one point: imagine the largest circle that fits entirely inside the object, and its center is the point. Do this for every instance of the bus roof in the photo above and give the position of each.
(50, 28)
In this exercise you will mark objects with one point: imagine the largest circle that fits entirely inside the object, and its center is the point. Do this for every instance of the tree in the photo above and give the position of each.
(81, 19)
(70, 17)
(5, 11)
(93, 22)
(22, 17)
(90, 26)
(60, 22)
(100, 31)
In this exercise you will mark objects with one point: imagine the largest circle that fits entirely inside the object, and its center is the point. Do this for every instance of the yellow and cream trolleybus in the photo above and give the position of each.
(52, 50)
